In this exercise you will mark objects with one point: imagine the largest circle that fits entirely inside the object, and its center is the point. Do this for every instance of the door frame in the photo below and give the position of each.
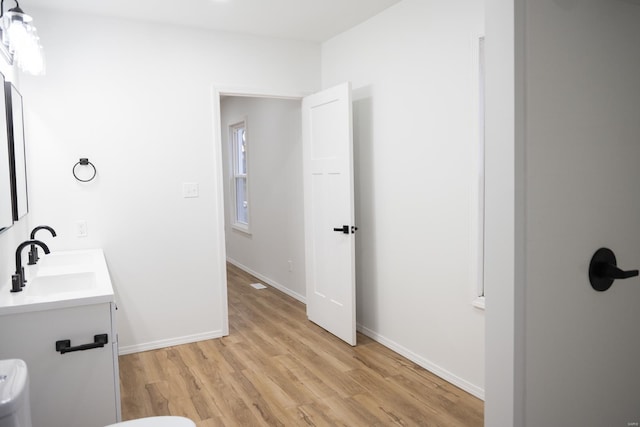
(504, 268)
(217, 92)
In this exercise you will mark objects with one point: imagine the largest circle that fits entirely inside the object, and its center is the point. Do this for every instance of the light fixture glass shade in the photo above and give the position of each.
(29, 55)
(23, 41)
(17, 33)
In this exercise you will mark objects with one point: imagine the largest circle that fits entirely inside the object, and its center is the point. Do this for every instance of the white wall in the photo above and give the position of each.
(276, 194)
(414, 70)
(137, 100)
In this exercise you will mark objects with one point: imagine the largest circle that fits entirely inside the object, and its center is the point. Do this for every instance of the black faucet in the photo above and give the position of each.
(33, 253)
(17, 280)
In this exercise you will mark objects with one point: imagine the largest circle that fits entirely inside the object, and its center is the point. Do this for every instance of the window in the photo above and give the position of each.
(240, 176)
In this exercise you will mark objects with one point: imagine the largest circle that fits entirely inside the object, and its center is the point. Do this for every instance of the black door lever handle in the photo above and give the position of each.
(345, 229)
(603, 270)
(613, 272)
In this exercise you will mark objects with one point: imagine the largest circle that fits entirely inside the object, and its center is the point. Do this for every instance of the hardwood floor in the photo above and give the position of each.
(278, 369)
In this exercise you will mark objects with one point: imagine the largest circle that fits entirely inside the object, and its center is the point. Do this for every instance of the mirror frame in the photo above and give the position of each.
(17, 151)
(6, 207)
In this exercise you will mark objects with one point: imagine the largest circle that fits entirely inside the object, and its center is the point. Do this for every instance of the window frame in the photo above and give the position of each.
(235, 175)
(479, 301)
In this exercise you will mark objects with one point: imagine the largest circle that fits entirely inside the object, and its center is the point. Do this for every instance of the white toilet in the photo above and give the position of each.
(156, 422)
(14, 394)
(16, 412)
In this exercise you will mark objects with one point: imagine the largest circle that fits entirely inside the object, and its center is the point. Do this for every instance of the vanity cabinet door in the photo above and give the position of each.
(76, 389)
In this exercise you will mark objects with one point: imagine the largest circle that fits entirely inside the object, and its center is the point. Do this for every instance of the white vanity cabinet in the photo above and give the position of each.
(75, 389)
(69, 297)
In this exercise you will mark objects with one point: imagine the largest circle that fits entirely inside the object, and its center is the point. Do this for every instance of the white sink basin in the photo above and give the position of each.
(44, 286)
(58, 263)
(66, 258)
(60, 279)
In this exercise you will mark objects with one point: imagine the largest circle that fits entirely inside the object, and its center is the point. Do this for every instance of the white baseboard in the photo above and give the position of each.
(268, 281)
(154, 345)
(426, 364)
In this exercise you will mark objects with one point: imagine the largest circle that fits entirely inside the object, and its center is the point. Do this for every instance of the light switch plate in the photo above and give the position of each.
(190, 189)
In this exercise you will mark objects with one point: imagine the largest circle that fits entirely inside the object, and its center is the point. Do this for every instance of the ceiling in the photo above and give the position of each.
(309, 20)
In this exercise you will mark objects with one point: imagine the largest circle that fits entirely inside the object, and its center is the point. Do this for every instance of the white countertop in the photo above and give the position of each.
(60, 279)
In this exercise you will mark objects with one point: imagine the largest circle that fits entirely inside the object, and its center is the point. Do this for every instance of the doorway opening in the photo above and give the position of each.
(261, 163)
(295, 172)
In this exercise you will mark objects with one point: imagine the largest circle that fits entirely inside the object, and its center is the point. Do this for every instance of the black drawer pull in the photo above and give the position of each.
(64, 346)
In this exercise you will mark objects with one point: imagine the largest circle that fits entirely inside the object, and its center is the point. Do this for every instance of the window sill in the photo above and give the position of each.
(241, 229)
(478, 303)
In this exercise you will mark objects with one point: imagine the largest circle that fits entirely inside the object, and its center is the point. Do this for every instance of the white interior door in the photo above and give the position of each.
(329, 211)
(581, 174)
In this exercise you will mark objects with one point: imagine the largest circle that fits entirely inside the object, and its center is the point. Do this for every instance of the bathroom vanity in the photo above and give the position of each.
(63, 326)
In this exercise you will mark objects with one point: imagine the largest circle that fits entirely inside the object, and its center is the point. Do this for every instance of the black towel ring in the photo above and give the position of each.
(84, 162)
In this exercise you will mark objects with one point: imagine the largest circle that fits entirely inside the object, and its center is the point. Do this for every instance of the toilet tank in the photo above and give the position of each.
(15, 410)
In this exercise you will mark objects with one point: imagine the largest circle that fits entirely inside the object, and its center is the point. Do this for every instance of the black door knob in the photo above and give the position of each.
(603, 270)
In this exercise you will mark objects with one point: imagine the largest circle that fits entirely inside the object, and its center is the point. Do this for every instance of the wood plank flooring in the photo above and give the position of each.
(278, 369)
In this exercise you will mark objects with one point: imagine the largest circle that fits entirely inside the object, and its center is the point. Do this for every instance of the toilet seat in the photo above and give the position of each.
(156, 422)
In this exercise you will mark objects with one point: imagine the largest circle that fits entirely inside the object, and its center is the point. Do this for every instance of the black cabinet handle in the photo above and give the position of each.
(64, 346)
(603, 270)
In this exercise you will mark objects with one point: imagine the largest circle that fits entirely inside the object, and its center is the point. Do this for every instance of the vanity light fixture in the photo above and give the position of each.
(20, 41)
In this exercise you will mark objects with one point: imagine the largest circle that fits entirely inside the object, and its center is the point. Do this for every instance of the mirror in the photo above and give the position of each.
(6, 204)
(17, 155)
